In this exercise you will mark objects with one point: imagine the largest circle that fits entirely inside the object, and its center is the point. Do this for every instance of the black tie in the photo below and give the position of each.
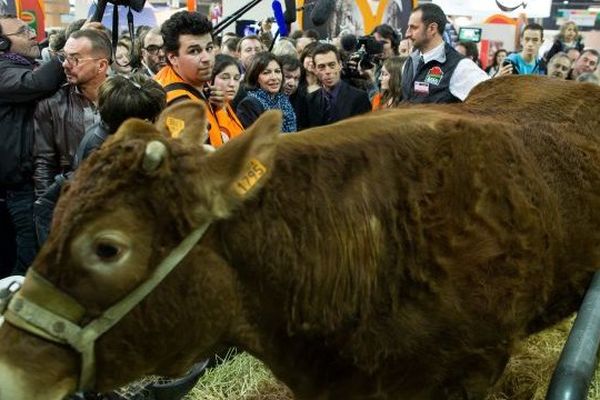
(328, 109)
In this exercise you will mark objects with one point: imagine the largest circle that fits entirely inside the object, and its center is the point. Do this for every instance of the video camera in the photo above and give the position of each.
(367, 56)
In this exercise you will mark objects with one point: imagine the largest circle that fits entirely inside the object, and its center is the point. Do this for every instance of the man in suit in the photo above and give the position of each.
(336, 99)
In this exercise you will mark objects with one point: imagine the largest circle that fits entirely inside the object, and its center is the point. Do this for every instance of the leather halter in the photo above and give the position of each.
(43, 310)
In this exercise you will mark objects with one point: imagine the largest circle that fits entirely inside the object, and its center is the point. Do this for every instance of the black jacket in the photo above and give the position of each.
(350, 101)
(94, 136)
(434, 77)
(59, 125)
(20, 88)
(558, 46)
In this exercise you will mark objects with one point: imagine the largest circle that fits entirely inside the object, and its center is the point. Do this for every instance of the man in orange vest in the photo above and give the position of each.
(189, 46)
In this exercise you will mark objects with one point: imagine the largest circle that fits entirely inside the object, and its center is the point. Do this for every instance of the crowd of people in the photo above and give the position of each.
(59, 104)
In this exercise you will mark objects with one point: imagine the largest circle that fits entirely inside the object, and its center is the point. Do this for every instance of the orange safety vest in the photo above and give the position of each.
(224, 124)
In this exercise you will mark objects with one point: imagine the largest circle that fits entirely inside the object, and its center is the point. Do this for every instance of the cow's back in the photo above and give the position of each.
(376, 235)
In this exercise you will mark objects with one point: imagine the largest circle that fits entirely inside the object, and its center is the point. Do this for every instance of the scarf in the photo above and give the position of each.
(17, 59)
(278, 101)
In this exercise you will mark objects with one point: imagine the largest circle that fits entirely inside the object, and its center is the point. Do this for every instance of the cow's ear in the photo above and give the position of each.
(185, 120)
(239, 169)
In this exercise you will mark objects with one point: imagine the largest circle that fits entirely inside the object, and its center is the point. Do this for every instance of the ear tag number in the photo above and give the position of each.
(175, 126)
(256, 170)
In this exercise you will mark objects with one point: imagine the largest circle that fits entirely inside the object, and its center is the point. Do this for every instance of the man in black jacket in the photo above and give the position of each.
(21, 85)
(61, 120)
(336, 99)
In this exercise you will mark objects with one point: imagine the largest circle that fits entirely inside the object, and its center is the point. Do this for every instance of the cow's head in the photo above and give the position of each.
(129, 206)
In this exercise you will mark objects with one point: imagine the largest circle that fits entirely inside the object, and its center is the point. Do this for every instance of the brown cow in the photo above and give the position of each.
(396, 255)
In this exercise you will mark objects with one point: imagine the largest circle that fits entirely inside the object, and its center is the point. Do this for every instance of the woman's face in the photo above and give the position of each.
(308, 64)
(384, 78)
(122, 62)
(500, 57)
(270, 78)
(570, 33)
(228, 81)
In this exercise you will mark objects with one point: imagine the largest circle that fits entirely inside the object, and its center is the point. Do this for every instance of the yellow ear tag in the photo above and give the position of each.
(175, 126)
(256, 170)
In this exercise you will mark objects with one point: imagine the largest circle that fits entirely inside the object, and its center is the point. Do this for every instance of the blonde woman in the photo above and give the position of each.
(568, 38)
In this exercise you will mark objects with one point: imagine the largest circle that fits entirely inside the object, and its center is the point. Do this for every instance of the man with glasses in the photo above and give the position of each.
(153, 53)
(22, 84)
(61, 120)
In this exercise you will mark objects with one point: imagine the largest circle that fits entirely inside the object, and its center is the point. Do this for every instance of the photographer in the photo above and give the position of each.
(363, 66)
(389, 38)
(361, 62)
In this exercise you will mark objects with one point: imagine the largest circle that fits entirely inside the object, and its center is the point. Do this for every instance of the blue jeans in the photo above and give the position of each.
(43, 210)
(8, 246)
(19, 203)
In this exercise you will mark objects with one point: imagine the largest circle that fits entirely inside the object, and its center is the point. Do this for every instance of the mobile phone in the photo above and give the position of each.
(508, 62)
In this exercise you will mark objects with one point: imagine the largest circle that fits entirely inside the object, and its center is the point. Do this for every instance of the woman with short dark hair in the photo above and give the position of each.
(264, 80)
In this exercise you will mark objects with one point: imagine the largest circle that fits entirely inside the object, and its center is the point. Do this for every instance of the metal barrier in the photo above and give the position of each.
(577, 363)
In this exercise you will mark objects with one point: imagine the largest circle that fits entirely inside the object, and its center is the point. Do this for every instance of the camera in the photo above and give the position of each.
(366, 56)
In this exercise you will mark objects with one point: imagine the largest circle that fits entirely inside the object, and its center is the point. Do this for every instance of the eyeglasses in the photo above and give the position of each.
(154, 49)
(72, 60)
(25, 30)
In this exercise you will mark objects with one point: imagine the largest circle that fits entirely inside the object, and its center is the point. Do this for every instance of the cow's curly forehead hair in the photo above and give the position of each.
(114, 174)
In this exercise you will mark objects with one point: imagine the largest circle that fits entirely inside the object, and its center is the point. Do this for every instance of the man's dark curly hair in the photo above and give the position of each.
(183, 23)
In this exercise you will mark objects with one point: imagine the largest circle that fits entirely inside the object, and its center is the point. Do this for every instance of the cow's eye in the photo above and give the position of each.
(106, 251)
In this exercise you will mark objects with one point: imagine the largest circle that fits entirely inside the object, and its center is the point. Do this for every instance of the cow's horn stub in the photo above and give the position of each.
(155, 153)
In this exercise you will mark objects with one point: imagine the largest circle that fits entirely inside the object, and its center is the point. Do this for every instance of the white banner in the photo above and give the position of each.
(484, 8)
(580, 17)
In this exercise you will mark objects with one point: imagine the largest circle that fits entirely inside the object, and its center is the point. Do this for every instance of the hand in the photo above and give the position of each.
(368, 74)
(504, 70)
(217, 97)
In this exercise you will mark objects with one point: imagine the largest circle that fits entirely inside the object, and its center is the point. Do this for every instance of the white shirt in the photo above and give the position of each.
(465, 77)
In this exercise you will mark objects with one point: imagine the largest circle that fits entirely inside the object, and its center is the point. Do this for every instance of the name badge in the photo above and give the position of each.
(422, 88)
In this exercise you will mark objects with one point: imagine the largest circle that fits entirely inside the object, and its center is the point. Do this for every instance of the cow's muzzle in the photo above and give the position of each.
(45, 311)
